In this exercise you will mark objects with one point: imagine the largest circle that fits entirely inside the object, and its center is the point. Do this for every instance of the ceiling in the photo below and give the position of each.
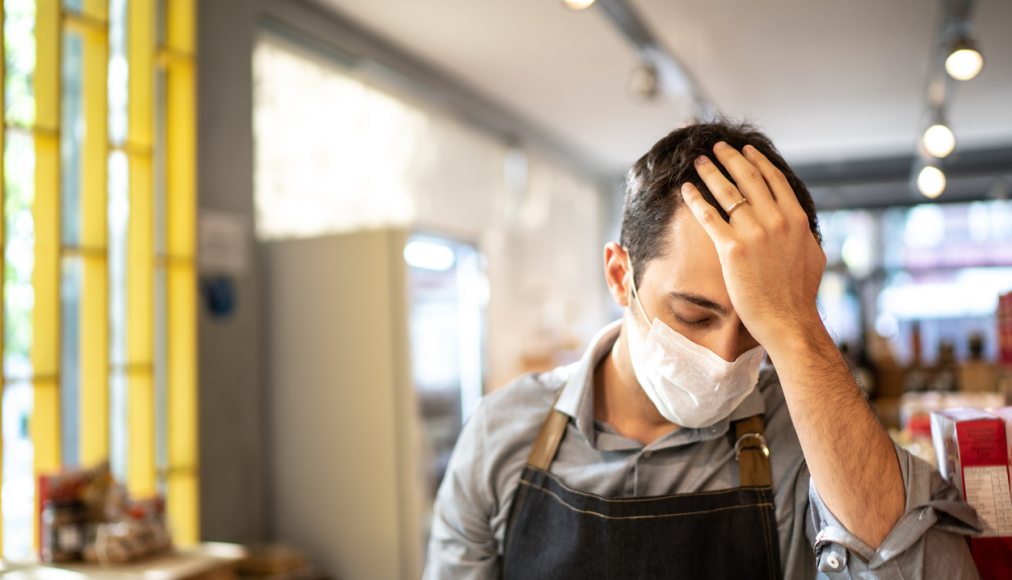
(828, 81)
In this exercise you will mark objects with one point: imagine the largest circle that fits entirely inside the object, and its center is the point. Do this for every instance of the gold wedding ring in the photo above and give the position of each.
(735, 206)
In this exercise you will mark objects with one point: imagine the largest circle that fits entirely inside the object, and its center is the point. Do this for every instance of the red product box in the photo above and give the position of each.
(973, 453)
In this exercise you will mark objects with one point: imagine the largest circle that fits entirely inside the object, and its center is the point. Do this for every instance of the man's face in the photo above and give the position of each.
(684, 288)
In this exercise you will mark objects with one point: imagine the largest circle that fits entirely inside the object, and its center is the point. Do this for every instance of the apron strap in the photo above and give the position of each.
(750, 448)
(751, 452)
(547, 443)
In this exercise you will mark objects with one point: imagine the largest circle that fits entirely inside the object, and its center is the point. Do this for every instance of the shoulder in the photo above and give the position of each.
(526, 399)
(509, 418)
(507, 422)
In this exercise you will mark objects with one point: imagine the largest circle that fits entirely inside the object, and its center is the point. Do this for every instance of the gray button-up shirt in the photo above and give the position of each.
(473, 503)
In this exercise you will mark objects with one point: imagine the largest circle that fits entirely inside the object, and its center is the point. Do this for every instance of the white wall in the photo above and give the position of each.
(336, 153)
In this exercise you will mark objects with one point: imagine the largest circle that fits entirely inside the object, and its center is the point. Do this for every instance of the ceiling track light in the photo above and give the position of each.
(931, 181)
(660, 73)
(938, 140)
(578, 4)
(644, 83)
(964, 60)
(958, 54)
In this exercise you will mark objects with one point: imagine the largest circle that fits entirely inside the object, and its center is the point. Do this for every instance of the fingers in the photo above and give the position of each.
(707, 216)
(772, 204)
(723, 190)
(781, 189)
(746, 175)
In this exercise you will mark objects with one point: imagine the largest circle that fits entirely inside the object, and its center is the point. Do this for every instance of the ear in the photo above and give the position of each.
(616, 273)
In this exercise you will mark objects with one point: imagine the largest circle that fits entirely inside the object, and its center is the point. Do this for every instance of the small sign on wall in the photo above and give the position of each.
(222, 255)
(223, 242)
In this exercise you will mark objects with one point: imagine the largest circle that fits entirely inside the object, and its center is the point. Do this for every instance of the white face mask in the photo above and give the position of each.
(689, 384)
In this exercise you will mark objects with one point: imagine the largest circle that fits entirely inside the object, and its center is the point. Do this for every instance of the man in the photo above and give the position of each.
(665, 452)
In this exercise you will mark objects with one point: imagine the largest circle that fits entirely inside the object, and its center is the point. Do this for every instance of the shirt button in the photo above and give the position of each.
(647, 454)
(833, 562)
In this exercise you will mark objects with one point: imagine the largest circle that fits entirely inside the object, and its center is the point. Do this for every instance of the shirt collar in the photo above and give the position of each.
(577, 397)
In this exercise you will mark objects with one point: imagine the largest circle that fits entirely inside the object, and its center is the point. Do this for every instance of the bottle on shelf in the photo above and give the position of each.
(888, 372)
(915, 376)
(977, 374)
(943, 373)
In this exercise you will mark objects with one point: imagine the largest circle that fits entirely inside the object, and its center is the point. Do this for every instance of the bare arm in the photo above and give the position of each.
(850, 456)
(772, 266)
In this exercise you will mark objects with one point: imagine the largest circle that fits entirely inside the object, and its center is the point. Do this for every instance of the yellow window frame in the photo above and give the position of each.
(176, 57)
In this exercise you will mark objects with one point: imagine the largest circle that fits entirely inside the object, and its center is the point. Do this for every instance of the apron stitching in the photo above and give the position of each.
(644, 517)
(648, 498)
(769, 547)
(766, 536)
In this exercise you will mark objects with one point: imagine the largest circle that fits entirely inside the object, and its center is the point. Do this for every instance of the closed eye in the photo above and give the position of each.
(699, 322)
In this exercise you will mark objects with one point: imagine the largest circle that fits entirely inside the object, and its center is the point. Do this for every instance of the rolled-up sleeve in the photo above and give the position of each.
(462, 545)
(928, 541)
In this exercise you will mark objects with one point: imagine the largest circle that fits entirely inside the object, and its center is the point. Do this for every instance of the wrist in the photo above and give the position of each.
(799, 337)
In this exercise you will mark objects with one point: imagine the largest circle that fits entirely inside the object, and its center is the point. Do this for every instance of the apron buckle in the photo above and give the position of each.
(739, 445)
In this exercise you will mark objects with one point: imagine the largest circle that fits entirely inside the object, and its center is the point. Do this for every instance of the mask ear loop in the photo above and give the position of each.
(635, 294)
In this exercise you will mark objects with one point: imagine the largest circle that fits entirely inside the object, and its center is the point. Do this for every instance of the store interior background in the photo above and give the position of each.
(403, 206)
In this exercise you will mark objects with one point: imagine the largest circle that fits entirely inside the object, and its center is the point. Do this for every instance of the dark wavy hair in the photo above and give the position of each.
(652, 185)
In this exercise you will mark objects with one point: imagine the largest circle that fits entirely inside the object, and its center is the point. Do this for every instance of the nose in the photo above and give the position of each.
(731, 340)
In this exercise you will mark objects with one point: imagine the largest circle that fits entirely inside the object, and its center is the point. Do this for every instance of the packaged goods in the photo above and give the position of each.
(973, 453)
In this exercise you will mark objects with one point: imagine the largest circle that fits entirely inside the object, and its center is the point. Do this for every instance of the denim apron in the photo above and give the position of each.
(554, 531)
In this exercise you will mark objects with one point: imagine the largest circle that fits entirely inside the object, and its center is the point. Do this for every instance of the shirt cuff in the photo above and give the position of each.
(931, 502)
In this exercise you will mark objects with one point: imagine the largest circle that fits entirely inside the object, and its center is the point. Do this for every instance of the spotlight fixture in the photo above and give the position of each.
(938, 140)
(578, 4)
(644, 82)
(931, 181)
(965, 60)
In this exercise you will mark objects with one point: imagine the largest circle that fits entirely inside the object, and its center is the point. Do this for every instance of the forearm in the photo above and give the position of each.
(851, 458)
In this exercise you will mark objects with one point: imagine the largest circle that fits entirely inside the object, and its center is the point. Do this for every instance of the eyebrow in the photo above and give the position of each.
(699, 301)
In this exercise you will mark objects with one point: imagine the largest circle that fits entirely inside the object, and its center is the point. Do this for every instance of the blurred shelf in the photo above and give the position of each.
(209, 561)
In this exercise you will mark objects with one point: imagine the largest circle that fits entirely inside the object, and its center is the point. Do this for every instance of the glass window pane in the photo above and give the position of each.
(18, 470)
(161, 391)
(159, 189)
(70, 360)
(71, 137)
(19, 259)
(19, 55)
(72, 125)
(118, 424)
(119, 208)
(118, 70)
(161, 328)
(160, 23)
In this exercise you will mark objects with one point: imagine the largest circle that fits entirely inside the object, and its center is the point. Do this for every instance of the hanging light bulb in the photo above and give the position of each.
(578, 4)
(938, 140)
(931, 181)
(965, 60)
